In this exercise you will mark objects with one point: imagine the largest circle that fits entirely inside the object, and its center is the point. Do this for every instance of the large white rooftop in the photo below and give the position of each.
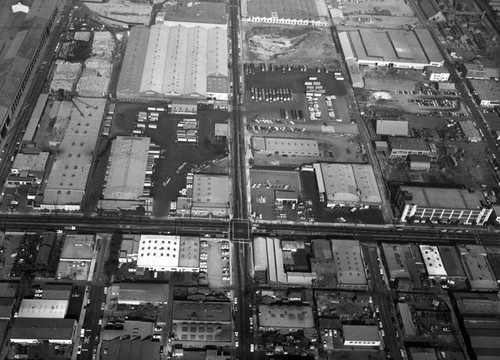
(179, 59)
(158, 252)
(42, 308)
(432, 261)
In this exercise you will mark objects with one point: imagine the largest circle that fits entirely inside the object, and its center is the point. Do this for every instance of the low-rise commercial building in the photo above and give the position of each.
(419, 162)
(30, 164)
(131, 349)
(401, 147)
(477, 268)
(486, 92)
(350, 273)
(129, 248)
(451, 263)
(293, 12)
(393, 127)
(470, 130)
(202, 323)
(286, 318)
(284, 146)
(211, 196)
(34, 331)
(140, 293)
(423, 204)
(433, 264)
(168, 253)
(437, 74)
(43, 308)
(77, 248)
(396, 262)
(361, 335)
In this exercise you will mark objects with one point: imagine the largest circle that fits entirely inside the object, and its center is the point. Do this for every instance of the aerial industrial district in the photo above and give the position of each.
(250, 179)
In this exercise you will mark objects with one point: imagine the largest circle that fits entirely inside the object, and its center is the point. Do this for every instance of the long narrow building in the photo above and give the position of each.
(20, 53)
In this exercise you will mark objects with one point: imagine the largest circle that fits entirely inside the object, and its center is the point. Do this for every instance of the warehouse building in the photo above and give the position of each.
(286, 12)
(284, 146)
(261, 264)
(452, 264)
(19, 54)
(43, 308)
(401, 49)
(77, 248)
(423, 204)
(175, 60)
(76, 132)
(347, 184)
(197, 324)
(276, 272)
(433, 263)
(141, 293)
(396, 262)
(125, 181)
(30, 164)
(34, 331)
(401, 147)
(361, 335)
(485, 92)
(349, 268)
(470, 130)
(393, 127)
(32, 127)
(168, 253)
(133, 348)
(477, 268)
(211, 196)
(419, 162)
(286, 318)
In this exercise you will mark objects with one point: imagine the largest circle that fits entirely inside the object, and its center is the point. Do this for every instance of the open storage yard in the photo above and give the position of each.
(203, 155)
(292, 45)
(435, 116)
(391, 14)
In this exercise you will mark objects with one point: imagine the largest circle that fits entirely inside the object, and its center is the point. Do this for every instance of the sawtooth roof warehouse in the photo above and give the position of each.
(402, 49)
(175, 60)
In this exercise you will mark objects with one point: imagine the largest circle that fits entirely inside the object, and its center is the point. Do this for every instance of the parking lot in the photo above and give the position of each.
(265, 183)
(217, 269)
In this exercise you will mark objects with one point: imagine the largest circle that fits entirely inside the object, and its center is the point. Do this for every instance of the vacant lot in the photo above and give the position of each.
(294, 45)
